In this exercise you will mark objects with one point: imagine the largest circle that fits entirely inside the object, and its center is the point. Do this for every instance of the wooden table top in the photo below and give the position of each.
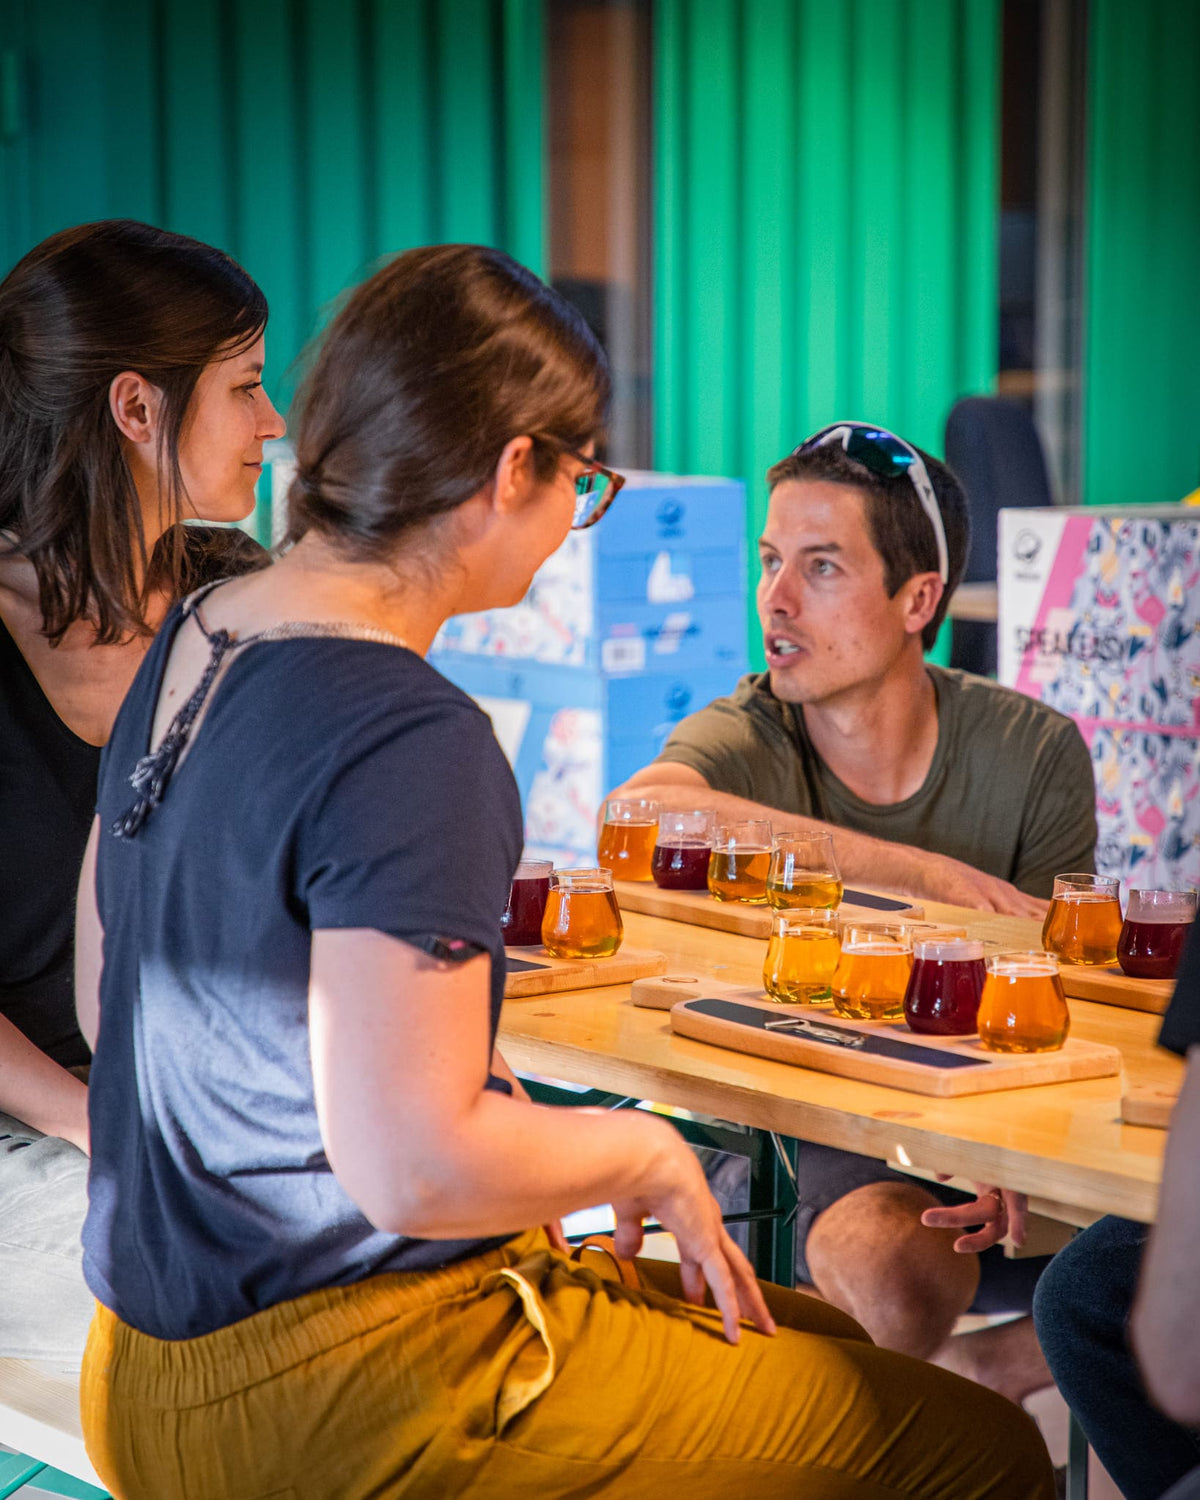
(1064, 1144)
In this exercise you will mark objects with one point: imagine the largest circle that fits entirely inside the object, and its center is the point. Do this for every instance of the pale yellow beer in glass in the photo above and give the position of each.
(802, 955)
(803, 871)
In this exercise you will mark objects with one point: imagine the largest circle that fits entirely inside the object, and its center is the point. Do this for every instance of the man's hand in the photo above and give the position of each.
(996, 1210)
(940, 878)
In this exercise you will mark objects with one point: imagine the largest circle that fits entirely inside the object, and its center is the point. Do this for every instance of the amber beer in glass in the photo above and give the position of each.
(582, 917)
(802, 955)
(681, 854)
(521, 923)
(737, 867)
(803, 871)
(871, 978)
(628, 837)
(1156, 927)
(1083, 924)
(945, 986)
(1023, 1008)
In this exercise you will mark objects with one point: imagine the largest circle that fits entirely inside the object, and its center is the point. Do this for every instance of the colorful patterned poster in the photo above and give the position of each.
(1100, 619)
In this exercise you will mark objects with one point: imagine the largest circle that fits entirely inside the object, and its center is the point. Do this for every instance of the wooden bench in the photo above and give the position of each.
(39, 1415)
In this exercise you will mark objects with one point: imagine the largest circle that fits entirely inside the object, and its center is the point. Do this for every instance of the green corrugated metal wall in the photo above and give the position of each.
(307, 137)
(825, 203)
(825, 222)
(1142, 336)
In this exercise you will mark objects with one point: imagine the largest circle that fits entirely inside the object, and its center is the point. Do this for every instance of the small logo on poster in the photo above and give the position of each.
(1026, 545)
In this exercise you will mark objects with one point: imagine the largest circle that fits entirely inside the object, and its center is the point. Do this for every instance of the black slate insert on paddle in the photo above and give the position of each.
(756, 1018)
(876, 903)
(520, 965)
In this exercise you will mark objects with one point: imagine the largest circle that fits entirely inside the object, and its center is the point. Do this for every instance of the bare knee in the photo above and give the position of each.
(870, 1254)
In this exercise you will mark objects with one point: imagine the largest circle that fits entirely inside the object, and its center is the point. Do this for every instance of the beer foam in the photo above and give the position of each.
(1023, 965)
(948, 950)
(1160, 908)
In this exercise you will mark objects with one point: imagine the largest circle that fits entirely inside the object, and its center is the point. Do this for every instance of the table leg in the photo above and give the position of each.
(1077, 1461)
(772, 1211)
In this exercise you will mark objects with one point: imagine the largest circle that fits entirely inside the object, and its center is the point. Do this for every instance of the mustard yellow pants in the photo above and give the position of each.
(521, 1375)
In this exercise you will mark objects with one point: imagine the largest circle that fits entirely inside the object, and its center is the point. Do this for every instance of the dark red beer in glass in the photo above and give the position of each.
(521, 923)
(681, 867)
(1153, 934)
(945, 986)
(682, 850)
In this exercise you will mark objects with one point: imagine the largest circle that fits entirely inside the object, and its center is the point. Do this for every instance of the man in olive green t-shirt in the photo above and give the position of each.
(936, 784)
(1008, 789)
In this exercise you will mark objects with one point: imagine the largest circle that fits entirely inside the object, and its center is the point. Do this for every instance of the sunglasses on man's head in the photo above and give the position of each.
(595, 489)
(887, 456)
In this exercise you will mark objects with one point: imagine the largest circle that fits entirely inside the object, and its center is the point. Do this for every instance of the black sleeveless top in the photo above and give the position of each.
(47, 799)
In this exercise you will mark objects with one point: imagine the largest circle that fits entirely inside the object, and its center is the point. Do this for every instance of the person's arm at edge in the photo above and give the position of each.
(34, 1089)
(89, 944)
(875, 862)
(425, 1149)
(1167, 1309)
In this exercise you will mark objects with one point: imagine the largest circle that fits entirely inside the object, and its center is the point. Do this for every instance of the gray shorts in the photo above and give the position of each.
(45, 1306)
(825, 1174)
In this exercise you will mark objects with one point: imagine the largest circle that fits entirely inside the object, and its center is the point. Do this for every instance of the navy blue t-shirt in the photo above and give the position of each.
(331, 784)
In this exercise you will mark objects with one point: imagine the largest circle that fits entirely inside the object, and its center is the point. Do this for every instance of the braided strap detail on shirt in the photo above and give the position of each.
(152, 773)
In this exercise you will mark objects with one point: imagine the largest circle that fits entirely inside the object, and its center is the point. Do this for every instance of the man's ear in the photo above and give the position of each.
(514, 476)
(923, 593)
(135, 405)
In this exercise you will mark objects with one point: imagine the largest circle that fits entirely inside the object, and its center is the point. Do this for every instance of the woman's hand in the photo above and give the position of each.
(996, 1210)
(426, 1149)
(708, 1258)
(554, 1233)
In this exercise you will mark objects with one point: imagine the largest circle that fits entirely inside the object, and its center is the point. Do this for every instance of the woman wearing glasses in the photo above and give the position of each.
(315, 1181)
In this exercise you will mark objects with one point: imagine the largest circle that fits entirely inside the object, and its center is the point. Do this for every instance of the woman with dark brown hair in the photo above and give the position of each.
(130, 401)
(314, 1180)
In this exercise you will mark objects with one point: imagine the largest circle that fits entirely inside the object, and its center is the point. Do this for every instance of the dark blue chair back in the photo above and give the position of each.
(993, 447)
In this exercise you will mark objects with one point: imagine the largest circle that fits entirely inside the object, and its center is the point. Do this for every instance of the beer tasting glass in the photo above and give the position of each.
(521, 923)
(803, 871)
(1152, 937)
(628, 836)
(871, 977)
(1083, 924)
(1023, 1008)
(737, 868)
(802, 954)
(582, 917)
(680, 859)
(945, 986)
